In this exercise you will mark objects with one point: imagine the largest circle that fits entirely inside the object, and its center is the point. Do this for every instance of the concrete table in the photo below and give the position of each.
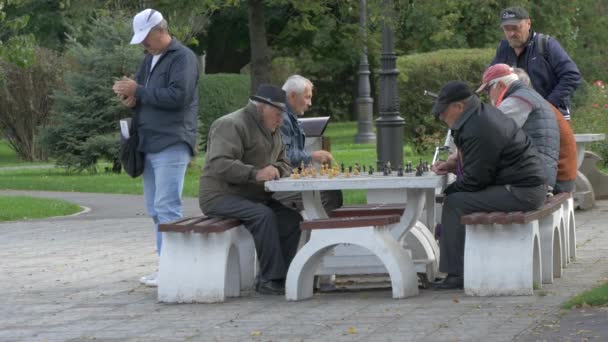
(584, 197)
(415, 191)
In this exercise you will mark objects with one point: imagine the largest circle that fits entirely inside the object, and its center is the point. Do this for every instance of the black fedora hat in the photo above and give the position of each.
(271, 95)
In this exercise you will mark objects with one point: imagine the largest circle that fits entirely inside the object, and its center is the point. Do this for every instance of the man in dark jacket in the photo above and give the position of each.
(499, 167)
(553, 74)
(164, 97)
(529, 111)
(298, 90)
(244, 149)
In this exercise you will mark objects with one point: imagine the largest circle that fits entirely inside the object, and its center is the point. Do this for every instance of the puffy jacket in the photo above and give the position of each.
(237, 147)
(294, 139)
(167, 99)
(555, 78)
(494, 151)
(539, 123)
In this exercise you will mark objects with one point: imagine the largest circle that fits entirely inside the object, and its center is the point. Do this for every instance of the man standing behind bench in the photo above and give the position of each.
(499, 166)
(164, 93)
(298, 90)
(244, 149)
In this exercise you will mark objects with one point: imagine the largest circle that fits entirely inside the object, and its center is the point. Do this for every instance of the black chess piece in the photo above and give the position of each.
(371, 171)
(385, 172)
(350, 169)
(419, 170)
(342, 167)
(400, 172)
(364, 169)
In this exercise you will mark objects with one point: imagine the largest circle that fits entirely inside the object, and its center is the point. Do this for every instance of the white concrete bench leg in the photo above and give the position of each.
(247, 258)
(502, 259)
(570, 227)
(422, 244)
(204, 268)
(378, 240)
(550, 229)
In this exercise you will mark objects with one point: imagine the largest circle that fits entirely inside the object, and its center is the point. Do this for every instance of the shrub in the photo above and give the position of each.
(589, 115)
(220, 94)
(25, 101)
(429, 71)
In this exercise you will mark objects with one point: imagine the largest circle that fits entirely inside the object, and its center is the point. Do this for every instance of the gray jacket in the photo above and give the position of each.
(237, 147)
(534, 115)
(167, 99)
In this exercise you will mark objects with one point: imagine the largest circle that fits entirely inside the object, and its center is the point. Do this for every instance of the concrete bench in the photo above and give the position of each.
(205, 260)
(511, 253)
(370, 232)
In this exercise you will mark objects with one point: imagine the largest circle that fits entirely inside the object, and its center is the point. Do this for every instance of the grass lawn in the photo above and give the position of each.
(594, 297)
(24, 207)
(8, 157)
(343, 149)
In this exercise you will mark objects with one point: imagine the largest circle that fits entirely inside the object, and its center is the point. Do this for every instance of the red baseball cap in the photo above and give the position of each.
(493, 72)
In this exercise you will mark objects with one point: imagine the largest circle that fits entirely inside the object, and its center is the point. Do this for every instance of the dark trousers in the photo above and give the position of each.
(275, 229)
(331, 199)
(493, 198)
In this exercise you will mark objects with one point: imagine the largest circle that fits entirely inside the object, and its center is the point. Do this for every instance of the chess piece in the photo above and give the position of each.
(295, 174)
(400, 172)
(342, 168)
(388, 167)
(363, 168)
(419, 170)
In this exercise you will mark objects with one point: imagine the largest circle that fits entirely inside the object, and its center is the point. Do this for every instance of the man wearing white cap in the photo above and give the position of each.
(164, 97)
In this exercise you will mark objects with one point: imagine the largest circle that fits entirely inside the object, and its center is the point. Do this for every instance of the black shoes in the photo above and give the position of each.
(451, 282)
(270, 287)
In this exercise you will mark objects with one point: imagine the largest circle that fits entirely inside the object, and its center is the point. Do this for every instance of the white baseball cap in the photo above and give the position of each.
(143, 22)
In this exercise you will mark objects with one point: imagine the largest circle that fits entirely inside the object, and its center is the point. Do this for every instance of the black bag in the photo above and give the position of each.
(132, 159)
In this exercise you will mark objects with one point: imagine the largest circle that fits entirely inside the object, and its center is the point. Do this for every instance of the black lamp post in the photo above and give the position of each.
(365, 103)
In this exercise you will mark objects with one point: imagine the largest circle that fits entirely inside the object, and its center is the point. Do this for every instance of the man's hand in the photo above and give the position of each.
(125, 87)
(128, 101)
(442, 167)
(267, 174)
(321, 156)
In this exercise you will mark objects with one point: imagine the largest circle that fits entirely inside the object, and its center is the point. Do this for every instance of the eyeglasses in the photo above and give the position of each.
(491, 85)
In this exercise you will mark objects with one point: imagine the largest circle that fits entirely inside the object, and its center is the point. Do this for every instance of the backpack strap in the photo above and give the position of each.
(542, 42)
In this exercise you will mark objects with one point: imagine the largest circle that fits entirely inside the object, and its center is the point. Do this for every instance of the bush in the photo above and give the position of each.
(429, 71)
(220, 94)
(25, 101)
(589, 115)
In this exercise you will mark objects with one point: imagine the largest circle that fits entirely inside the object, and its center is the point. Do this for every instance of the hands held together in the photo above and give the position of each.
(125, 89)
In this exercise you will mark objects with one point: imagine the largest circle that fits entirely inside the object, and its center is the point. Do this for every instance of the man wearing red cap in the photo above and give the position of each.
(499, 167)
(553, 73)
(529, 111)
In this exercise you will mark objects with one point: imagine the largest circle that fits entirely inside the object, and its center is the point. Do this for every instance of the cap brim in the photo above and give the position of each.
(511, 22)
(277, 105)
(140, 36)
(481, 88)
(439, 107)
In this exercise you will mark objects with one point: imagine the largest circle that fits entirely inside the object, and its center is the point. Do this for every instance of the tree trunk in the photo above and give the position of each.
(260, 52)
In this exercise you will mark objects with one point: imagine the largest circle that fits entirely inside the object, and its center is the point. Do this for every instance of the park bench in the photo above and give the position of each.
(511, 253)
(370, 232)
(205, 260)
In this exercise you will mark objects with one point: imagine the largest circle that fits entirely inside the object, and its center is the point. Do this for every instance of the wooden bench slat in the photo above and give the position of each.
(199, 224)
(350, 222)
(551, 204)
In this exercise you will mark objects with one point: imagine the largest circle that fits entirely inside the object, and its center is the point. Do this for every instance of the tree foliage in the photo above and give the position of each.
(86, 125)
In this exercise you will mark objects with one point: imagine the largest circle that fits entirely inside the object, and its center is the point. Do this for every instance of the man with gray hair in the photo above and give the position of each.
(529, 110)
(299, 98)
(164, 98)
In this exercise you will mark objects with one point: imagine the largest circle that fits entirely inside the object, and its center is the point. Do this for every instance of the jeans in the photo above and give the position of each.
(163, 177)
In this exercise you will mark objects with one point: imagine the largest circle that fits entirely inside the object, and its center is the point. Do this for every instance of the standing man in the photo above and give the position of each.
(164, 95)
(244, 149)
(553, 74)
(499, 166)
(529, 110)
(299, 98)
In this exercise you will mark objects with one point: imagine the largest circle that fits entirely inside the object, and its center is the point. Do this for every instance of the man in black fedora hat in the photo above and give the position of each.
(498, 168)
(244, 149)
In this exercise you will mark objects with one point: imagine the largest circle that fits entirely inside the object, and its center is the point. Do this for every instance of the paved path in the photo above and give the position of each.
(76, 279)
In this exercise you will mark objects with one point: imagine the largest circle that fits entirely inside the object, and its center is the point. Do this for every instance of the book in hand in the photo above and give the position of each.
(314, 127)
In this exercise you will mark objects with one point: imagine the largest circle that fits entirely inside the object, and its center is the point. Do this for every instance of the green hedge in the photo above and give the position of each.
(429, 71)
(589, 115)
(220, 94)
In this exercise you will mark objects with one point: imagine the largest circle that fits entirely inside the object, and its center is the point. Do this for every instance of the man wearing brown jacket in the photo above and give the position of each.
(244, 149)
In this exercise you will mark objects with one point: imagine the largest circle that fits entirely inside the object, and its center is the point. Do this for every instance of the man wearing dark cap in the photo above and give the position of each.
(245, 149)
(498, 166)
(553, 74)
